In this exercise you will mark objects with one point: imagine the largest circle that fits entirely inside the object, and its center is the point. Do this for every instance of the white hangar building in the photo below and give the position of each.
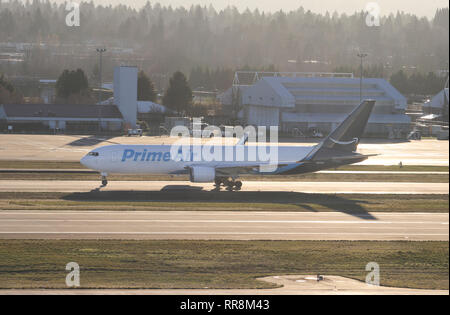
(438, 105)
(292, 101)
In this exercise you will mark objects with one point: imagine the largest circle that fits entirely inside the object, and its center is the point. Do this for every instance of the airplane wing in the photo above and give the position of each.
(235, 169)
(289, 167)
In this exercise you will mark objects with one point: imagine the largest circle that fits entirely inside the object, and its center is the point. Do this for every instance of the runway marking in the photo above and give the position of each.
(384, 172)
(219, 221)
(374, 188)
(374, 230)
(222, 225)
(219, 233)
(228, 213)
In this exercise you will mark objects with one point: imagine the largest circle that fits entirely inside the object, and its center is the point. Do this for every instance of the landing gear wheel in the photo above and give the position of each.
(104, 181)
(218, 183)
(229, 184)
(230, 188)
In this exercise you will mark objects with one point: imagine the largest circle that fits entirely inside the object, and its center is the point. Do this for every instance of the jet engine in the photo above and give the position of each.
(202, 174)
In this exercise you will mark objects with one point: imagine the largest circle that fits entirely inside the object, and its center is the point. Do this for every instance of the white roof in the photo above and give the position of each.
(430, 117)
(438, 100)
(149, 107)
(287, 91)
(268, 92)
(143, 106)
(48, 81)
(338, 118)
(108, 86)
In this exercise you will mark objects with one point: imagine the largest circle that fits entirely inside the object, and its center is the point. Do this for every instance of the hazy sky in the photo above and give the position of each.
(418, 7)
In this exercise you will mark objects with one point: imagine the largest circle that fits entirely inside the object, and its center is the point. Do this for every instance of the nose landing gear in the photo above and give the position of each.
(104, 180)
(230, 184)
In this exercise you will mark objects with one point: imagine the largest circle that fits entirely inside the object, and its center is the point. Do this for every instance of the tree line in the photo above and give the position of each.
(8, 93)
(170, 38)
(72, 87)
(417, 83)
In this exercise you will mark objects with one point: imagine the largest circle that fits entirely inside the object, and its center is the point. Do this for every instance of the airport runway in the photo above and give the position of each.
(291, 285)
(87, 171)
(301, 187)
(192, 225)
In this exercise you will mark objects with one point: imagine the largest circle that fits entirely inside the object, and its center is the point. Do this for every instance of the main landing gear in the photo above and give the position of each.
(229, 184)
(104, 180)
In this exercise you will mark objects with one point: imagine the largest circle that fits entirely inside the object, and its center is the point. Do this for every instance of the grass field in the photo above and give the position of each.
(217, 264)
(202, 201)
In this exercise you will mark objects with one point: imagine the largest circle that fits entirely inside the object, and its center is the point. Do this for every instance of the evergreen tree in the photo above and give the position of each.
(8, 94)
(4, 83)
(417, 83)
(146, 88)
(72, 83)
(178, 96)
(400, 81)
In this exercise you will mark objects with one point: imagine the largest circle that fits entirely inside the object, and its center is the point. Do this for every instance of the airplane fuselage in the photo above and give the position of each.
(219, 163)
(158, 159)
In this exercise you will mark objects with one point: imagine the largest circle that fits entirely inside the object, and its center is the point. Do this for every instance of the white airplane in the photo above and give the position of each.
(338, 149)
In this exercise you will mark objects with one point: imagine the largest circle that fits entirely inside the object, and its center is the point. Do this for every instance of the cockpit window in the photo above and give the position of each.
(93, 154)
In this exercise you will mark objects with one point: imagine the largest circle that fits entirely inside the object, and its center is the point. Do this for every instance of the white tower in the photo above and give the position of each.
(125, 93)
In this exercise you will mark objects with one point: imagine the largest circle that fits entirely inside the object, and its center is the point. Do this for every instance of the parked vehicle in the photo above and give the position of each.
(135, 132)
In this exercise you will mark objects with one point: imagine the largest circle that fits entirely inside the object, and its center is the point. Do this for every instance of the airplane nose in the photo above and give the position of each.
(87, 162)
(83, 161)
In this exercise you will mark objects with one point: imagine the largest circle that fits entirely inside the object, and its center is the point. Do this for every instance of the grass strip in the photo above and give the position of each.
(216, 264)
(243, 201)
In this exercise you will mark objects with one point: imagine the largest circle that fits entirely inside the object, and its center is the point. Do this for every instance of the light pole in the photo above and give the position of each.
(100, 51)
(362, 56)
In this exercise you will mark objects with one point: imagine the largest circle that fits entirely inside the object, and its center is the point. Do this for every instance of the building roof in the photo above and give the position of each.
(44, 81)
(145, 107)
(287, 91)
(439, 100)
(338, 118)
(61, 111)
(431, 117)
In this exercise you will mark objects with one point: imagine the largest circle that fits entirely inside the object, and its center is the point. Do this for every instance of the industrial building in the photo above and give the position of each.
(303, 101)
(76, 118)
(71, 118)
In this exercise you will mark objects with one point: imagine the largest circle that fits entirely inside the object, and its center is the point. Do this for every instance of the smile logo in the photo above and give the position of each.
(355, 140)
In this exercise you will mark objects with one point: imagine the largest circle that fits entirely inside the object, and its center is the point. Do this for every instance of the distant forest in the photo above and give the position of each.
(188, 39)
